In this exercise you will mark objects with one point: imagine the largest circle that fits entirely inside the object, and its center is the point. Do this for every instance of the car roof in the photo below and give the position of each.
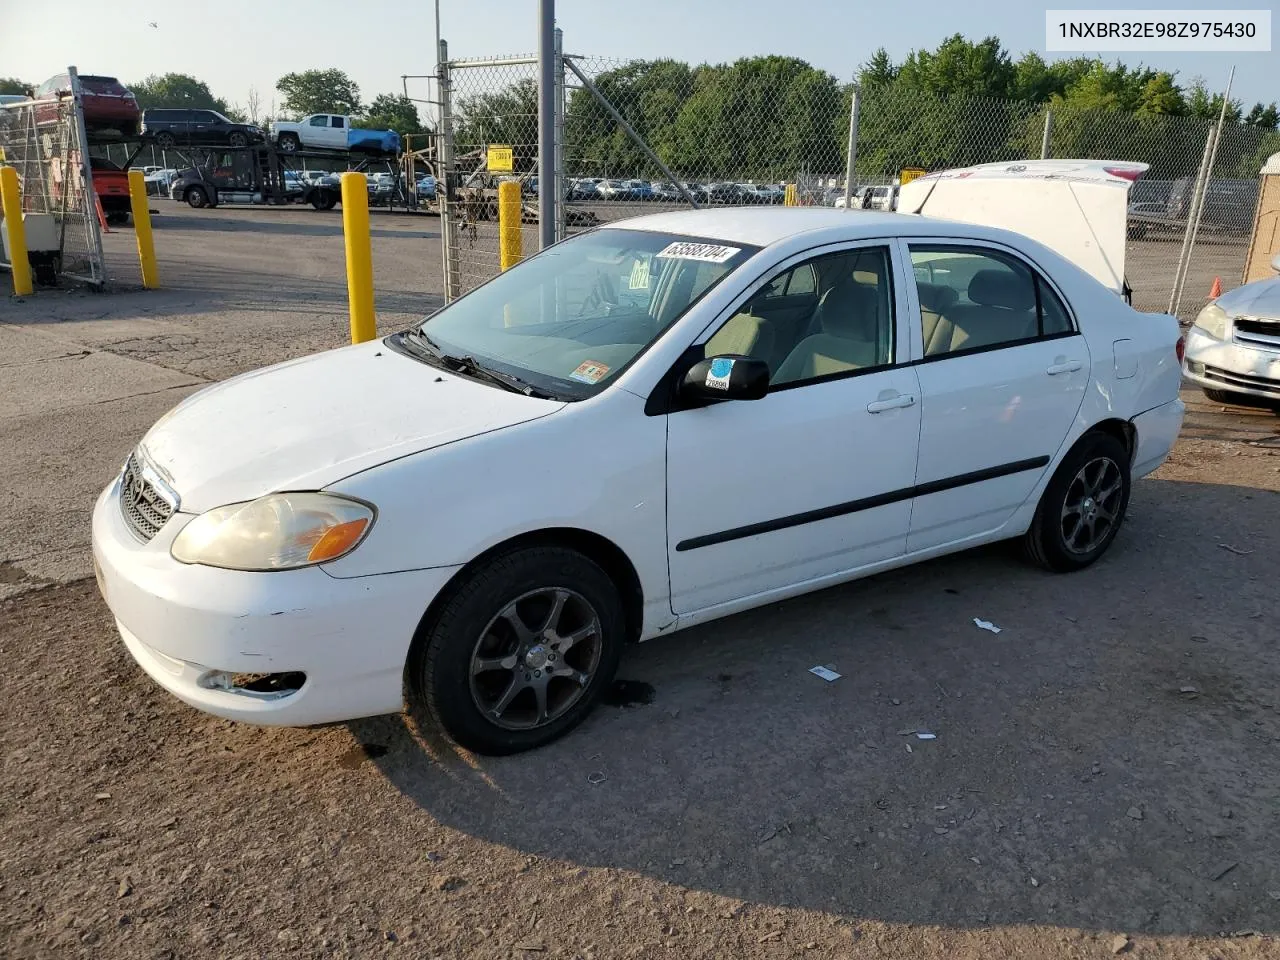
(763, 226)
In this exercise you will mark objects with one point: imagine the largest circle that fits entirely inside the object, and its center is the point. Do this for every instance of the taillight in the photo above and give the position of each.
(1181, 348)
(1124, 173)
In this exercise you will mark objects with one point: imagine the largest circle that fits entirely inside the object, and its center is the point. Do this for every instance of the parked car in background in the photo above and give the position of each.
(665, 191)
(320, 177)
(640, 189)
(884, 197)
(426, 187)
(764, 193)
(197, 128)
(1233, 349)
(584, 188)
(158, 180)
(108, 106)
(111, 184)
(614, 189)
(728, 193)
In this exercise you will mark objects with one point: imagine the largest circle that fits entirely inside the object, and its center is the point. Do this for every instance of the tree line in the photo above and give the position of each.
(775, 118)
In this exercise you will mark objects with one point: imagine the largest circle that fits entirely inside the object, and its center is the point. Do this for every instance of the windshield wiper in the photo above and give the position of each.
(470, 367)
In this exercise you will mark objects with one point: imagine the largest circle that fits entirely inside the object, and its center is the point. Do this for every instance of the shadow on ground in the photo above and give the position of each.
(1107, 761)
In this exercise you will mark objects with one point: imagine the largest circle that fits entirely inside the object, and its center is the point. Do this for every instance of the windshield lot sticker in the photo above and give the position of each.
(706, 252)
(718, 375)
(589, 371)
(640, 275)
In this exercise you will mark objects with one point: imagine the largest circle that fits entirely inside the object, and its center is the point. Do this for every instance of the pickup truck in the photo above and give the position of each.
(332, 131)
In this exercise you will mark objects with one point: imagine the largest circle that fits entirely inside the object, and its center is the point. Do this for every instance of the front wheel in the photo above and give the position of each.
(238, 140)
(520, 652)
(197, 197)
(1083, 506)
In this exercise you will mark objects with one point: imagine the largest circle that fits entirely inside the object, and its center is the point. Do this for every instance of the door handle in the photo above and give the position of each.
(1068, 366)
(891, 403)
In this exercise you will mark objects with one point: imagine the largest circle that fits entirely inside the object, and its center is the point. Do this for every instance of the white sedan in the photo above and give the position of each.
(1233, 350)
(658, 423)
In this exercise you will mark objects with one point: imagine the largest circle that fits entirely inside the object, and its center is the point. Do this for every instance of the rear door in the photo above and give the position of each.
(1002, 370)
(338, 132)
(204, 127)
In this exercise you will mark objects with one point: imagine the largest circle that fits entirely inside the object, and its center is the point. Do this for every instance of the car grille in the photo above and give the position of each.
(144, 508)
(1240, 380)
(1258, 331)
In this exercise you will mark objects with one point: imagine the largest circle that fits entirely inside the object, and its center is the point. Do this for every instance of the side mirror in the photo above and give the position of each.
(1275, 263)
(726, 378)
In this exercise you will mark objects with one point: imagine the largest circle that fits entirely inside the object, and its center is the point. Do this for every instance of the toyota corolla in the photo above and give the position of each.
(649, 426)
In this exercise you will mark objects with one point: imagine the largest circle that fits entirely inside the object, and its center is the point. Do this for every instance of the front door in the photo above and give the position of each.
(815, 478)
(1002, 377)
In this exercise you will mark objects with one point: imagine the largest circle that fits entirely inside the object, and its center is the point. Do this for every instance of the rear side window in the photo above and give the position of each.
(107, 86)
(339, 122)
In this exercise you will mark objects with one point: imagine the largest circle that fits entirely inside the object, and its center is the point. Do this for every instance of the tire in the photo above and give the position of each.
(164, 140)
(288, 143)
(469, 705)
(1098, 461)
(238, 140)
(196, 197)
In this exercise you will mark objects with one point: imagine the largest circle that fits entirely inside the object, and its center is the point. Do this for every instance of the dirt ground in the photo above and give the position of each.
(1105, 776)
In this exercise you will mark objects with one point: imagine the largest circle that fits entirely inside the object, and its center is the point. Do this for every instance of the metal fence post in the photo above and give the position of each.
(1213, 157)
(546, 121)
(558, 181)
(851, 153)
(446, 182)
(97, 265)
(1047, 141)
(1184, 255)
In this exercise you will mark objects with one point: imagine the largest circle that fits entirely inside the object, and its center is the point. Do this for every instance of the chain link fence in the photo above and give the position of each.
(43, 141)
(644, 136)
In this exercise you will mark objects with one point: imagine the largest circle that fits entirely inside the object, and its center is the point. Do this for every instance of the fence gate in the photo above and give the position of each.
(44, 140)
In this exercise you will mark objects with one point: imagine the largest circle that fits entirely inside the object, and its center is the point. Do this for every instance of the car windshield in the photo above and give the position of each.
(569, 320)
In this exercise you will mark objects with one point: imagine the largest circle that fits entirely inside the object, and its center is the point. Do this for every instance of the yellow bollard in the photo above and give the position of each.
(355, 229)
(142, 229)
(509, 227)
(11, 197)
(789, 196)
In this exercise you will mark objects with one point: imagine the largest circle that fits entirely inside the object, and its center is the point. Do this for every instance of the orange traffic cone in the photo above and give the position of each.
(1216, 290)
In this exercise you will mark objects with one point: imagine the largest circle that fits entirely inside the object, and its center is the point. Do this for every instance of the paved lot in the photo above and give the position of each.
(1106, 766)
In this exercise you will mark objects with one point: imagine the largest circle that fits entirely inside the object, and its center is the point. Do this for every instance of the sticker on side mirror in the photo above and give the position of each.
(719, 373)
(706, 252)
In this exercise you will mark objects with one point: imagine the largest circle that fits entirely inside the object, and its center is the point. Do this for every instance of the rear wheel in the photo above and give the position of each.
(1083, 506)
(520, 652)
(196, 197)
(164, 140)
(288, 143)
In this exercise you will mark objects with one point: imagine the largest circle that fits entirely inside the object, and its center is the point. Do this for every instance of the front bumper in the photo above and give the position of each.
(1230, 366)
(187, 625)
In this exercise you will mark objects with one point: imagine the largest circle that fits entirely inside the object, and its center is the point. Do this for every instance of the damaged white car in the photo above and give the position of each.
(649, 426)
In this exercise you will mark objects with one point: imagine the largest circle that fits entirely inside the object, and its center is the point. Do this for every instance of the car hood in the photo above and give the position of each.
(308, 423)
(1260, 298)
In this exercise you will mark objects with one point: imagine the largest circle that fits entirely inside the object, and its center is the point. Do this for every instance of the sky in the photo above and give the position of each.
(234, 45)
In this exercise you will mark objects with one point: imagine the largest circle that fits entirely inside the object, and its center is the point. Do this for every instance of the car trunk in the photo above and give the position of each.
(1078, 208)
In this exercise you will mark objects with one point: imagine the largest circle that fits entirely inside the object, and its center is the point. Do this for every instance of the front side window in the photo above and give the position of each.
(824, 317)
(973, 299)
(569, 320)
(320, 121)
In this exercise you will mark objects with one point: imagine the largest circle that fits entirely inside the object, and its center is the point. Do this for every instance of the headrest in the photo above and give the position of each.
(1002, 288)
(849, 310)
(935, 297)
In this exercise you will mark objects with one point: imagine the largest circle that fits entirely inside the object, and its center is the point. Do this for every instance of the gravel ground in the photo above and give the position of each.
(1104, 776)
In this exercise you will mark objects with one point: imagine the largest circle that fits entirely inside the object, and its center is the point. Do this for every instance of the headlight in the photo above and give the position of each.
(1213, 321)
(276, 532)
